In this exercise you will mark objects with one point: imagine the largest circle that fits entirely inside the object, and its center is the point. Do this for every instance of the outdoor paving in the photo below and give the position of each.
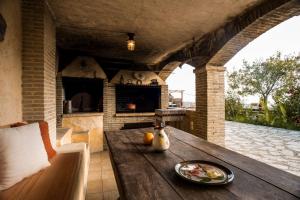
(273, 146)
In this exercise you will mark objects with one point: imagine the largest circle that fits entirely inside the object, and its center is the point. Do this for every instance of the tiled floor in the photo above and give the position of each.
(101, 180)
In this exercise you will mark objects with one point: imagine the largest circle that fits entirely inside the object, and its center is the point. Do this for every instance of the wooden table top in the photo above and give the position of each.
(143, 174)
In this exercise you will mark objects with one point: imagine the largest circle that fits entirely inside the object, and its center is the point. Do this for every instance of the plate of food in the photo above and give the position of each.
(204, 172)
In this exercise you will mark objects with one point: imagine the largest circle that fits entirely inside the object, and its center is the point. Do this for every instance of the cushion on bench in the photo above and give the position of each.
(59, 181)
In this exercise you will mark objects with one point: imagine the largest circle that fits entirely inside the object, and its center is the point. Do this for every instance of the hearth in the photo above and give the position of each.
(86, 94)
(137, 98)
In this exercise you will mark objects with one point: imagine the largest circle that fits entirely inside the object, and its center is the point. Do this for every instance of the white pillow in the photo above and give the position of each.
(22, 153)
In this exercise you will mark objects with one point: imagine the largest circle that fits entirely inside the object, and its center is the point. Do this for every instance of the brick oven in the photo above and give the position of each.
(92, 93)
(137, 98)
(125, 90)
(82, 85)
(86, 94)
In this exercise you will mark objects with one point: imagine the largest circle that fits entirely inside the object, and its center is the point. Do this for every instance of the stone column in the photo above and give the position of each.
(109, 105)
(38, 59)
(210, 104)
(59, 100)
(164, 97)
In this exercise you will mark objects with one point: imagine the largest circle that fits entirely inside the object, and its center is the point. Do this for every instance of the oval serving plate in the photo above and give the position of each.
(204, 172)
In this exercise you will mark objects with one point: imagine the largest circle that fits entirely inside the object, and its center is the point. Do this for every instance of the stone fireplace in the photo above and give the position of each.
(124, 89)
(143, 99)
(81, 82)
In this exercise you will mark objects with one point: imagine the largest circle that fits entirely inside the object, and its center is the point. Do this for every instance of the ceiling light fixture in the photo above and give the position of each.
(130, 42)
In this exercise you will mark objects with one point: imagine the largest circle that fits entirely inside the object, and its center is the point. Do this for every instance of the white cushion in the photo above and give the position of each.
(22, 153)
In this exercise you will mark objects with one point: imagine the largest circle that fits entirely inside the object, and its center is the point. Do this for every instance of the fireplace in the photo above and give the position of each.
(137, 98)
(86, 94)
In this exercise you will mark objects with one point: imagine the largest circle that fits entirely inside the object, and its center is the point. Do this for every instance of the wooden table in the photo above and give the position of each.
(144, 174)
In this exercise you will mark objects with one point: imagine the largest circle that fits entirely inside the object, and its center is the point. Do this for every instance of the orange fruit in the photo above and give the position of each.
(148, 138)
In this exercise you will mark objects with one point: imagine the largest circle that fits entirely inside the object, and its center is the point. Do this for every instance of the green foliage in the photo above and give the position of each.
(233, 106)
(276, 77)
(288, 106)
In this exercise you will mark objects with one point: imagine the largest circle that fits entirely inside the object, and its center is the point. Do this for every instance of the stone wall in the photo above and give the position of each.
(38, 56)
(113, 122)
(11, 64)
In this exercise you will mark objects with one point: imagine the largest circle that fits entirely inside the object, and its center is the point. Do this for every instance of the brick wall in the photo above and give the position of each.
(164, 97)
(111, 122)
(49, 71)
(210, 109)
(38, 57)
(59, 100)
(33, 60)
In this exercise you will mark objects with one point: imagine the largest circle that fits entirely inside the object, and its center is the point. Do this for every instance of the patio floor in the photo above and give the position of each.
(101, 180)
(274, 146)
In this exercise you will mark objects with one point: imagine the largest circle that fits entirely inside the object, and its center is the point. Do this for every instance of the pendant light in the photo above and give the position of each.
(130, 42)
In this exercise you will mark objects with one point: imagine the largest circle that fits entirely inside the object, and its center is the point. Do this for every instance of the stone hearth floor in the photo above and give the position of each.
(101, 180)
(277, 147)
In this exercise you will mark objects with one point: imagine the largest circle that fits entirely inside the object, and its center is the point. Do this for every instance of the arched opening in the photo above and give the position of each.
(181, 84)
(256, 141)
(237, 47)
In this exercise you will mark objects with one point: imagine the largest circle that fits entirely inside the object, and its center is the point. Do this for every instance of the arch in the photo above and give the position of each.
(168, 69)
(251, 32)
(217, 47)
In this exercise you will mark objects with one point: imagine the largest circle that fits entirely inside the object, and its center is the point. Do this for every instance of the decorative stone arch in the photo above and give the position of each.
(254, 30)
(168, 69)
(236, 31)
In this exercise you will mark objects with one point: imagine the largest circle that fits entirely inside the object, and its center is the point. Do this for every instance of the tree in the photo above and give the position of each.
(276, 75)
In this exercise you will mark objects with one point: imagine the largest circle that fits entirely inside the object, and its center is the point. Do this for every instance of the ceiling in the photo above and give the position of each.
(99, 27)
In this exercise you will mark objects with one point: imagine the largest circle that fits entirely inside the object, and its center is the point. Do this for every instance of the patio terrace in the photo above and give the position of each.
(71, 64)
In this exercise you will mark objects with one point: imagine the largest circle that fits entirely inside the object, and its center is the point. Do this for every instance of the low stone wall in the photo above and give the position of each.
(188, 124)
(89, 122)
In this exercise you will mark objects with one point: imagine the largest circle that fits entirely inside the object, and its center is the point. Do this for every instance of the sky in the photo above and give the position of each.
(285, 37)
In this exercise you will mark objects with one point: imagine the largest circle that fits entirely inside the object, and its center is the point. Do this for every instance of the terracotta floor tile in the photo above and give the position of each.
(111, 195)
(109, 184)
(106, 165)
(94, 186)
(94, 196)
(95, 175)
(101, 180)
(108, 174)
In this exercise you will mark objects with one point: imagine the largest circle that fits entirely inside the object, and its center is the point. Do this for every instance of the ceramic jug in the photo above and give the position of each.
(160, 141)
